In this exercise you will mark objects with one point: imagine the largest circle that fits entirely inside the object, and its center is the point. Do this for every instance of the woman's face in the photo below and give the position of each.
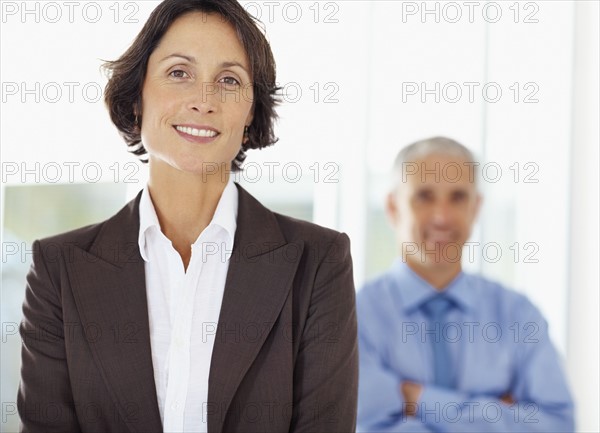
(197, 96)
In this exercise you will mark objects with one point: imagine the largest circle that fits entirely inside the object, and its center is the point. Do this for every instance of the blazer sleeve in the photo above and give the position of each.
(326, 370)
(44, 399)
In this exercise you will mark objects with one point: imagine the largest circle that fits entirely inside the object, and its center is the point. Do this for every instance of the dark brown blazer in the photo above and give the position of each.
(285, 355)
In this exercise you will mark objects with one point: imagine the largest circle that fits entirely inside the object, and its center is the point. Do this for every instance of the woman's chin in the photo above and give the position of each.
(192, 166)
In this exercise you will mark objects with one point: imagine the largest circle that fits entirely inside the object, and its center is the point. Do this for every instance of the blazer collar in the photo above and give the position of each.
(108, 281)
(259, 280)
(257, 232)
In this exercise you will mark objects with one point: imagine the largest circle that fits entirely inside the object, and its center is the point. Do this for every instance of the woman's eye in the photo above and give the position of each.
(229, 81)
(178, 73)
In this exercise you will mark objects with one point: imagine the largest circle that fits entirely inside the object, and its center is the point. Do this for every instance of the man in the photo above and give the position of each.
(440, 350)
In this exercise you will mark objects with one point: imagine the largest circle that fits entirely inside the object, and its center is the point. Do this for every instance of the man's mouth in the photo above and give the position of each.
(440, 237)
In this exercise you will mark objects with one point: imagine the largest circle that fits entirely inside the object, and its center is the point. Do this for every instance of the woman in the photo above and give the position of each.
(194, 308)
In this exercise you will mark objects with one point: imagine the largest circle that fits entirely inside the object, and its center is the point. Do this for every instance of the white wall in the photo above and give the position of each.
(584, 326)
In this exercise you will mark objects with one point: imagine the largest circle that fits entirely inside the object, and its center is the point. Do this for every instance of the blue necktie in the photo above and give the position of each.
(436, 309)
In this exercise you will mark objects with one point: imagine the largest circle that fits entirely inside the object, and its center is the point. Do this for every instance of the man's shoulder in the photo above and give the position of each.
(491, 287)
(376, 289)
(494, 293)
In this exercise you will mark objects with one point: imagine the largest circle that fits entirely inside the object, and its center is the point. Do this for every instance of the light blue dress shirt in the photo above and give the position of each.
(498, 343)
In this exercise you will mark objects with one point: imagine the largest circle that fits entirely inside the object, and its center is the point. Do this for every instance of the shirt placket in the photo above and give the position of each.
(178, 360)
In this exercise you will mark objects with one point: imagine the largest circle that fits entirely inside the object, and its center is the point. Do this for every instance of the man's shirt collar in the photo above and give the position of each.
(415, 291)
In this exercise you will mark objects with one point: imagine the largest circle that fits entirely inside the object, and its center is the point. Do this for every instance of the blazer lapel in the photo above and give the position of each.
(259, 279)
(109, 287)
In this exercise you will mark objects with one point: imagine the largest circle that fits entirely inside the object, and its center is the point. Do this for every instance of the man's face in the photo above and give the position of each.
(433, 209)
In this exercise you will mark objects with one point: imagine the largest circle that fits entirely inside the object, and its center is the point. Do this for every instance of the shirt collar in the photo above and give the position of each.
(148, 219)
(414, 290)
(226, 212)
(225, 216)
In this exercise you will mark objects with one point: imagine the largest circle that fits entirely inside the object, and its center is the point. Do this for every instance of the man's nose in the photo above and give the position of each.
(442, 213)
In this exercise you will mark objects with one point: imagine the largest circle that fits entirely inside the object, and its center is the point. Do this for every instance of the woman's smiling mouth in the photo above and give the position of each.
(197, 134)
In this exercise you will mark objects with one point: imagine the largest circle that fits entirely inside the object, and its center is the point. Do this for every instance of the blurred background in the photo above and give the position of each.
(517, 82)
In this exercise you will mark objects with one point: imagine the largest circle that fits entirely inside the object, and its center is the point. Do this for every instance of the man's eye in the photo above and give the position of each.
(424, 195)
(178, 73)
(229, 81)
(459, 196)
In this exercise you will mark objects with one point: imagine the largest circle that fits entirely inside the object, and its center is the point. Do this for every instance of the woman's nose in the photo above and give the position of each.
(204, 97)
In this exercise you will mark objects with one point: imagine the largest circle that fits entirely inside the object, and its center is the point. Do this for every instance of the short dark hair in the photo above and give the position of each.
(123, 93)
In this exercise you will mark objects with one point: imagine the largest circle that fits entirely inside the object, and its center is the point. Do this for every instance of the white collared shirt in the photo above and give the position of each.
(183, 309)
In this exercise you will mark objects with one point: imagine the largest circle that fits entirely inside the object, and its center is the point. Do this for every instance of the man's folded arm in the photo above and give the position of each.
(447, 410)
(542, 401)
(381, 407)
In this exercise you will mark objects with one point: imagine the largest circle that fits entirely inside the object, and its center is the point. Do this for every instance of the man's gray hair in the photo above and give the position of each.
(435, 145)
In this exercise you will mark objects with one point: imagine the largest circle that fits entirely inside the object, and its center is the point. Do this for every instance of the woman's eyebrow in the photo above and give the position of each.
(233, 63)
(192, 59)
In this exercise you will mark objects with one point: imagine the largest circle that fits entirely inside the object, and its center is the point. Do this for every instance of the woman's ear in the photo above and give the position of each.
(247, 125)
(250, 117)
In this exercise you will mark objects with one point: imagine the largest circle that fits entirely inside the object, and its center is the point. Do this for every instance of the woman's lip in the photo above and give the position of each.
(191, 125)
(194, 138)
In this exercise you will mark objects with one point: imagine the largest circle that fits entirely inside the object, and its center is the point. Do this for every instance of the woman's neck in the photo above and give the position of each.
(184, 203)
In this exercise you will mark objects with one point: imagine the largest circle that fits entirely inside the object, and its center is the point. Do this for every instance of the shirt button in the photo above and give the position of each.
(175, 405)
